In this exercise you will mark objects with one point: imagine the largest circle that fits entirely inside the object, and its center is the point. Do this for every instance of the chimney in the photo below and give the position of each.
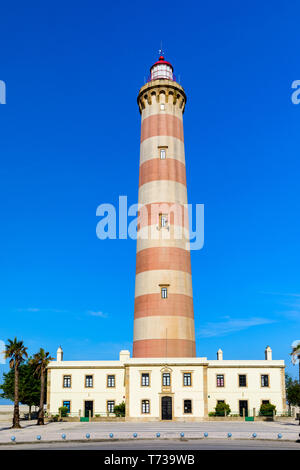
(59, 354)
(220, 355)
(124, 355)
(268, 354)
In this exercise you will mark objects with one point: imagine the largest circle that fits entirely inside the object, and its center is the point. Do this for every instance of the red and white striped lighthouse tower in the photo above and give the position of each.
(163, 314)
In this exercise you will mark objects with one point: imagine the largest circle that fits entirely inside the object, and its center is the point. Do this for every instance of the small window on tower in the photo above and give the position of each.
(162, 106)
(162, 154)
(163, 220)
(164, 292)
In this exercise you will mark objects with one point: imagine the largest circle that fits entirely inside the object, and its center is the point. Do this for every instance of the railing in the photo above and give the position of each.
(149, 79)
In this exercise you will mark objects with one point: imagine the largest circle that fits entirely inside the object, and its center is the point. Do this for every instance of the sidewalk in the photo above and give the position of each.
(52, 432)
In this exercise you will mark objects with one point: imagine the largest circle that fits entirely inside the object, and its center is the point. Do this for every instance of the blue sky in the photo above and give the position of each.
(70, 141)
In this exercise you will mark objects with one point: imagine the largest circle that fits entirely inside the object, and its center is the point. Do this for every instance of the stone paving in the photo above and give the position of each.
(75, 431)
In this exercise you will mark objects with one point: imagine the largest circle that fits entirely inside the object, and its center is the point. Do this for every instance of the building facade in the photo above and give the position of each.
(180, 389)
(164, 380)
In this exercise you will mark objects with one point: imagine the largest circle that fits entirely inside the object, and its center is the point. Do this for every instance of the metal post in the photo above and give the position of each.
(244, 412)
(253, 412)
(90, 414)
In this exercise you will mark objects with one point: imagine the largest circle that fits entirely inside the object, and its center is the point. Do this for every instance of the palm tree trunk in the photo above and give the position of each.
(16, 417)
(40, 420)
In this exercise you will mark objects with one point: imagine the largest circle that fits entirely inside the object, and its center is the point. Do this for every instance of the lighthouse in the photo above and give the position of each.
(163, 311)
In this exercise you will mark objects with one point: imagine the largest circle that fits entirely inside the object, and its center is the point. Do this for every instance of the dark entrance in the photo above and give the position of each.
(243, 406)
(88, 407)
(166, 408)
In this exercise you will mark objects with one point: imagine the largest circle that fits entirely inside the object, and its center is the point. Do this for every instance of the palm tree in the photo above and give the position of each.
(16, 352)
(296, 355)
(41, 360)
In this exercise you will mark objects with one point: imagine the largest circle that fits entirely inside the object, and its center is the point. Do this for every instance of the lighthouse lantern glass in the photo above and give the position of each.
(161, 71)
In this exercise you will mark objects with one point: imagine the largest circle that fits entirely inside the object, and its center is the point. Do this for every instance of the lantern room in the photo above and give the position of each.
(161, 70)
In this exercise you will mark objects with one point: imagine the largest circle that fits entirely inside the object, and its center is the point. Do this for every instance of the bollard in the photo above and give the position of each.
(90, 415)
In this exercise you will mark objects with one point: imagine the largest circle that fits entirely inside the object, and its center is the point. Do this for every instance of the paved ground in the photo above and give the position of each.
(97, 430)
(159, 445)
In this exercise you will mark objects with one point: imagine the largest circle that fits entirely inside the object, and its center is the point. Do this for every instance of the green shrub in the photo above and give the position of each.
(211, 413)
(119, 410)
(267, 409)
(222, 409)
(63, 410)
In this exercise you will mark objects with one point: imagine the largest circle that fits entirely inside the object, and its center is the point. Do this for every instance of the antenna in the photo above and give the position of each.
(161, 52)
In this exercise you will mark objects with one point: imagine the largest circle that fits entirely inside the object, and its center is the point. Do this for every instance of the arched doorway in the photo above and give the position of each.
(166, 408)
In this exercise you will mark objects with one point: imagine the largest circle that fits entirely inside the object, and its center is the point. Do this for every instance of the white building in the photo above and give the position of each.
(182, 389)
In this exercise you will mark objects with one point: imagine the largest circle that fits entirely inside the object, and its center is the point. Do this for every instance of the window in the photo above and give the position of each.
(187, 406)
(187, 379)
(162, 154)
(89, 381)
(145, 406)
(264, 380)
(111, 381)
(110, 406)
(164, 292)
(145, 380)
(220, 380)
(242, 381)
(67, 381)
(166, 379)
(163, 220)
(162, 106)
(67, 404)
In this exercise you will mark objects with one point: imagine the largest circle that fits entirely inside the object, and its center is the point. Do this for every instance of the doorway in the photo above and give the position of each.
(88, 407)
(243, 404)
(166, 408)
